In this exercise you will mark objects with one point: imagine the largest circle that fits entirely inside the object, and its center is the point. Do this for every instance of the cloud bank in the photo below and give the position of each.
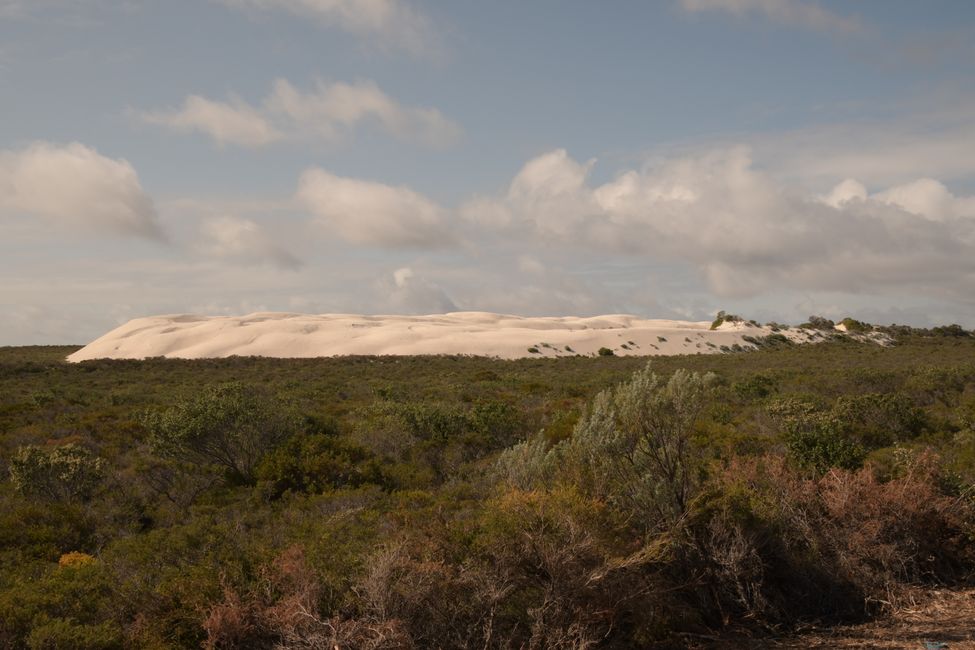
(74, 185)
(744, 230)
(326, 112)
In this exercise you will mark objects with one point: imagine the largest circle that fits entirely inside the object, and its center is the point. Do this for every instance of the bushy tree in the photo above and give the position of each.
(64, 473)
(230, 426)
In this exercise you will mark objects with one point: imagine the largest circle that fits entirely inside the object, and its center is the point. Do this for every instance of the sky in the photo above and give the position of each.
(669, 159)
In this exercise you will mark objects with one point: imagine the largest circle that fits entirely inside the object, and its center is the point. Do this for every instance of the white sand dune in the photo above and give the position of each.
(474, 333)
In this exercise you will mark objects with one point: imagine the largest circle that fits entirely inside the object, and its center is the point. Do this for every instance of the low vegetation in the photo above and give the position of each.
(457, 502)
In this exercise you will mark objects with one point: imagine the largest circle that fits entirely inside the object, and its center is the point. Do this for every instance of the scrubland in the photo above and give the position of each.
(454, 502)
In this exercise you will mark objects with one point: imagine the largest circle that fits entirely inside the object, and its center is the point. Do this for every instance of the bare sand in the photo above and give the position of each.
(285, 335)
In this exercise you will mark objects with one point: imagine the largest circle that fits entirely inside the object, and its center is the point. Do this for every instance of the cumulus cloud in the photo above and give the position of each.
(806, 14)
(327, 112)
(744, 230)
(366, 212)
(410, 294)
(391, 22)
(849, 189)
(928, 198)
(77, 186)
(244, 242)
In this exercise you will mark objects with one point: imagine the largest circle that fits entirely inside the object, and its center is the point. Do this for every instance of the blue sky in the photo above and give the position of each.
(773, 157)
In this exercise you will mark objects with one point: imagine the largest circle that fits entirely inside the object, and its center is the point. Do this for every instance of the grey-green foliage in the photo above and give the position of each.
(230, 426)
(631, 448)
(528, 464)
(64, 473)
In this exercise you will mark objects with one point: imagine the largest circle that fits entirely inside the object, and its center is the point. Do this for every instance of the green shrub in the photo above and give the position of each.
(819, 449)
(817, 440)
(879, 419)
(953, 330)
(58, 633)
(605, 352)
(231, 426)
(722, 317)
(64, 473)
(853, 325)
(754, 387)
(317, 463)
(66, 607)
(819, 323)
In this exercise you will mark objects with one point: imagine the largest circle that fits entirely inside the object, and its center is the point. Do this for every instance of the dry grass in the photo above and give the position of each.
(938, 619)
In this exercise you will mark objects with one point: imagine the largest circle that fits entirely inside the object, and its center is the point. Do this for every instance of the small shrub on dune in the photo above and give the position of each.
(853, 325)
(819, 323)
(723, 317)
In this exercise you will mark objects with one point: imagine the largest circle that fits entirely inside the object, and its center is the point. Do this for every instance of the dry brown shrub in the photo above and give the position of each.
(905, 531)
(282, 611)
(232, 623)
(776, 545)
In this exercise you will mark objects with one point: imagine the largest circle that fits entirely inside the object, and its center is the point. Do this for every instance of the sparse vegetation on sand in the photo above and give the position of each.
(409, 502)
(723, 317)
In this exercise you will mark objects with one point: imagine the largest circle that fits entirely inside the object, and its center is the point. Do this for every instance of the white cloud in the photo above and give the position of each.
(232, 122)
(390, 22)
(77, 186)
(244, 242)
(411, 294)
(849, 189)
(326, 112)
(371, 213)
(806, 14)
(329, 108)
(745, 231)
(928, 198)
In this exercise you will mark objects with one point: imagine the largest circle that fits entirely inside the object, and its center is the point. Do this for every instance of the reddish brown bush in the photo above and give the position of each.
(282, 611)
(771, 544)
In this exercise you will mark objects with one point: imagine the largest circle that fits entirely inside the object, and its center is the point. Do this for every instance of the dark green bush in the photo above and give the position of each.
(722, 317)
(755, 387)
(853, 325)
(231, 426)
(317, 463)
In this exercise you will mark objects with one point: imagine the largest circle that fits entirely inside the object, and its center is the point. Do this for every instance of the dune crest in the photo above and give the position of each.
(289, 335)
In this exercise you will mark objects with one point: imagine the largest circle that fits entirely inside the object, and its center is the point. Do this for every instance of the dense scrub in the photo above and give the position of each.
(457, 502)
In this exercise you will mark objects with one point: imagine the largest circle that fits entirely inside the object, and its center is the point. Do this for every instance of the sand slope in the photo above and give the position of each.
(475, 333)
